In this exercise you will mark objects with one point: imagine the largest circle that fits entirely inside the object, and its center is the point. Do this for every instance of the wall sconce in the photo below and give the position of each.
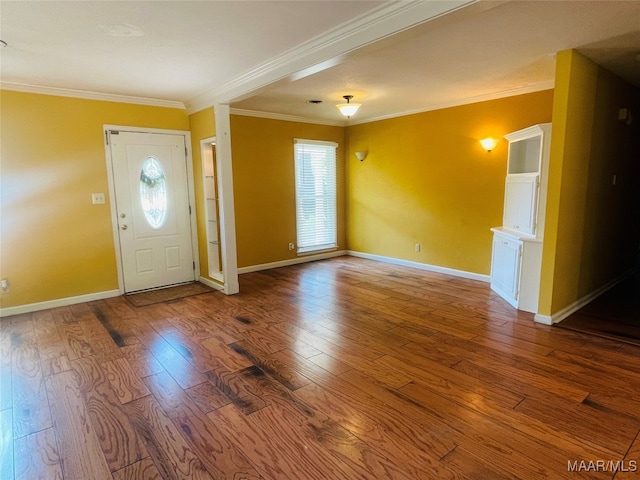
(488, 143)
(361, 155)
(348, 109)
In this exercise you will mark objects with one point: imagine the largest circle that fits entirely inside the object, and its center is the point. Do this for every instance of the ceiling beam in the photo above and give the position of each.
(328, 49)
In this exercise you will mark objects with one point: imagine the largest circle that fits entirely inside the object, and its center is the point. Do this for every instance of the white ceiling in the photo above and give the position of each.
(395, 57)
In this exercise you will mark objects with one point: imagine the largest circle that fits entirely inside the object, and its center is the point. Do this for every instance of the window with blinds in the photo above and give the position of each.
(315, 167)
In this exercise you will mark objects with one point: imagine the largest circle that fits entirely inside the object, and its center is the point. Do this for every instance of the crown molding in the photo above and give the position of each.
(285, 117)
(390, 18)
(87, 95)
(537, 87)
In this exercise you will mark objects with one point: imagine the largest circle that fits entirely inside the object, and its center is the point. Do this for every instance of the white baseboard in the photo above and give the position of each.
(293, 261)
(578, 304)
(59, 302)
(421, 266)
(62, 302)
(545, 319)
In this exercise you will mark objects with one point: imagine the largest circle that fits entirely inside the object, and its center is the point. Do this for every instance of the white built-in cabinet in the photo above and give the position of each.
(516, 257)
(211, 211)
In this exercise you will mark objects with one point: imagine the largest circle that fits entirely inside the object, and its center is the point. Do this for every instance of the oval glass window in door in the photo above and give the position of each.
(153, 192)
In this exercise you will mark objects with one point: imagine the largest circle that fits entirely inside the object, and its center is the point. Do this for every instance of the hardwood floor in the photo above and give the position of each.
(339, 369)
(615, 314)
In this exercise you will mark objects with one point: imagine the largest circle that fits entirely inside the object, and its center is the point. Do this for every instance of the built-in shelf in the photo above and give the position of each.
(516, 258)
(209, 167)
(525, 155)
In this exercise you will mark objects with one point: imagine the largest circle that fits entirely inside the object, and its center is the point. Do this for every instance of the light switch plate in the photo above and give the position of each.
(97, 198)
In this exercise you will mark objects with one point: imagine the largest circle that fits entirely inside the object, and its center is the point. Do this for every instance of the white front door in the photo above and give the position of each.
(152, 207)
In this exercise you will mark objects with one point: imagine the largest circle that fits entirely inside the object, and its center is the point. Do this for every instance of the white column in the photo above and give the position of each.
(226, 206)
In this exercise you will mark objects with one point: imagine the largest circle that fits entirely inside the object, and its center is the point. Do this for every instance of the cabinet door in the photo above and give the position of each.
(505, 266)
(521, 203)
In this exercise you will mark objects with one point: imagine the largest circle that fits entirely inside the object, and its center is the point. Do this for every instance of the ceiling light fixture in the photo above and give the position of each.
(348, 109)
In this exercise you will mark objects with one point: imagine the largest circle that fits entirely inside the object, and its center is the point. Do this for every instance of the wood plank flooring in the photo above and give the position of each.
(339, 369)
(614, 315)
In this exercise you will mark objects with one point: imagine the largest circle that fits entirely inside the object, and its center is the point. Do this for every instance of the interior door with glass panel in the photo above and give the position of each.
(152, 207)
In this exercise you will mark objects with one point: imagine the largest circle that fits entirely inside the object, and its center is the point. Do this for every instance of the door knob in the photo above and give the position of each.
(122, 215)
(124, 227)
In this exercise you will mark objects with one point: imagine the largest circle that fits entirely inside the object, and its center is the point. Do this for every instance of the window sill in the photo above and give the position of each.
(304, 253)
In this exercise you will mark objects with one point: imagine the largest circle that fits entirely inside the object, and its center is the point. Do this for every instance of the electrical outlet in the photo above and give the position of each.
(4, 285)
(291, 246)
(417, 247)
(97, 198)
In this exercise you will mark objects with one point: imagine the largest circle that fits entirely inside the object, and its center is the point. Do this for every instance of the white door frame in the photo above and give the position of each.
(112, 196)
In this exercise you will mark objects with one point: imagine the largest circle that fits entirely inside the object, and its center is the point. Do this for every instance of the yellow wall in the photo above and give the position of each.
(593, 227)
(264, 188)
(427, 180)
(54, 242)
(202, 125)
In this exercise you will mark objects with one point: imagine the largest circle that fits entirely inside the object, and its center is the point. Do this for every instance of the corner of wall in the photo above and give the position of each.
(586, 237)
(558, 128)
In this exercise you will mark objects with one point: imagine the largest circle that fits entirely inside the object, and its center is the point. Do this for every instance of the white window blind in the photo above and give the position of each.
(315, 167)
